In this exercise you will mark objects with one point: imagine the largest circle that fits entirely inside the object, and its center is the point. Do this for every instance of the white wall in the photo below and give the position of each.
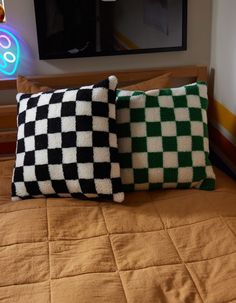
(20, 15)
(223, 52)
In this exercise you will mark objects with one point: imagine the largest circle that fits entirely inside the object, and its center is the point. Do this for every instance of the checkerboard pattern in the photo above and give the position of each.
(163, 138)
(67, 144)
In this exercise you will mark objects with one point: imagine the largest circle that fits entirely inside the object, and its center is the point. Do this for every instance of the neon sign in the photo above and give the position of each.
(9, 52)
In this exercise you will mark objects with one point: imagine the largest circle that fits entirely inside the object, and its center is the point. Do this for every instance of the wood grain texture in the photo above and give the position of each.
(124, 76)
(7, 117)
(7, 110)
(7, 136)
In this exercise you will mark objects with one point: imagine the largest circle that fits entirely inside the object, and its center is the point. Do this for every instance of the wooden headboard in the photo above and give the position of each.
(8, 112)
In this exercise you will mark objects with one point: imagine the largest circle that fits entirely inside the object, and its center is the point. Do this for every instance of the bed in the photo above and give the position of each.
(157, 246)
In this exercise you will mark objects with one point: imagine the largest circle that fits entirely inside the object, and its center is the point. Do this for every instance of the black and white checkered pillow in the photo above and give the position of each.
(67, 144)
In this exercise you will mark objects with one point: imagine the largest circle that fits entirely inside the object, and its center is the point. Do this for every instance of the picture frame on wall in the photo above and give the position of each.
(76, 28)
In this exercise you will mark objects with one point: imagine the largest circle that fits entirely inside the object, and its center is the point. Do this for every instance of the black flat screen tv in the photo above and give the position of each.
(84, 28)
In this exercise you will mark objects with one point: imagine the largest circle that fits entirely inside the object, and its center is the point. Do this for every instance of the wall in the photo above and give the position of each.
(222, 113)
(20, 15)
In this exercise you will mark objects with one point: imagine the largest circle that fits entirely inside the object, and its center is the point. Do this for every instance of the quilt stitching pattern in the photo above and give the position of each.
(195, 263)
(226, 224)
(179, 255)
(124, 270)
(113, 253)
(49, 252)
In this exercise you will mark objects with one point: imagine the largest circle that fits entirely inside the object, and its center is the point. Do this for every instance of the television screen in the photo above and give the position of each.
(82, 28)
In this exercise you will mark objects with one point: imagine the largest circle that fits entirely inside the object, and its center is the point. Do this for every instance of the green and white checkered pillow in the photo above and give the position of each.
(163, 138)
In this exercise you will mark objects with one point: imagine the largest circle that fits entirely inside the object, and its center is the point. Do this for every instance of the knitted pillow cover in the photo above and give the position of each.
(163, 138)
(67, 144)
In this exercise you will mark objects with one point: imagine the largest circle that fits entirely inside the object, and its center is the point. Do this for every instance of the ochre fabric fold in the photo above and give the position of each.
(159, 246)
